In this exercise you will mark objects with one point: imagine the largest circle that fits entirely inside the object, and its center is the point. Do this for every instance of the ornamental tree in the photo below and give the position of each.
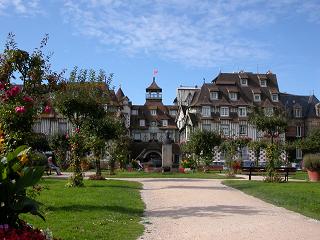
(20, 104)
(82, 99)
(273, 125)
(202, 145)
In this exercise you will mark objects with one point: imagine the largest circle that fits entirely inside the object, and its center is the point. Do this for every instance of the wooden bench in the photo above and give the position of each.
(215, 168)
(48, 170)
(285, 171)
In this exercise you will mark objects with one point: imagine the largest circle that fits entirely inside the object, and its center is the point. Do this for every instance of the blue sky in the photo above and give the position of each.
(186, 40)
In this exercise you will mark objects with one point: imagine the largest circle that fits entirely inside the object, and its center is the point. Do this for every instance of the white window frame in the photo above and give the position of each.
(225, 129)
(134, 112)
(242, 111)
(137, 136)
(263, 82)
(206, 111)
(224, 111)
(142, 123)
(153, 112)
(206, 126)
(298, 153)
(257, 95)
(268, 111)
(165, 123)
(243, 127)
(298, 131)
(275, 97)
(173, 112)
(214, 95)
(297, 112)
(245, 83)
(233, 96)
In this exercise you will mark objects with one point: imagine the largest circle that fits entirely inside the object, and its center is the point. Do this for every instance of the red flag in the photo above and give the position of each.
(155, 72)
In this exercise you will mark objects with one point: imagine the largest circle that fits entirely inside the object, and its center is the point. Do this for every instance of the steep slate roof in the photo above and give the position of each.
(153, 86)
(120, 95)
(307, 104)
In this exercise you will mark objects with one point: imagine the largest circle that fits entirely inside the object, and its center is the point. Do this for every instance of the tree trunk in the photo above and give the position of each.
(98, 167)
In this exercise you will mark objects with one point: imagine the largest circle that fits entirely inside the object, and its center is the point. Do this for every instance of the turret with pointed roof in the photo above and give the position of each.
(120, 95)
(153, 93)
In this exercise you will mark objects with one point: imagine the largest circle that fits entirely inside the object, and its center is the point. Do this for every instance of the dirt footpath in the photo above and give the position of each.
(178, 209)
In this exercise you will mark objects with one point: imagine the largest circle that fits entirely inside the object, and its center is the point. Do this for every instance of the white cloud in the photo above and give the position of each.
(21, 7)
(197, 33)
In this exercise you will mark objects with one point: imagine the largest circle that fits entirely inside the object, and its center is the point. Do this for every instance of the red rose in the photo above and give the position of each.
(47, 109)
(27, 99)
(13, 91)
(20, 109)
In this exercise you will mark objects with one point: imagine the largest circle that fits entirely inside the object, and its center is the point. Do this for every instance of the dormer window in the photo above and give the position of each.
(214, 95)
(206, 111)
(244, 82)
(318, 109)
(153, 112)
(297, 112)
(263, 82)
(142, 123)
(165, 123)
(233, 96)
(256, 97)
(275, 97)
(173, 112)
(134, 112)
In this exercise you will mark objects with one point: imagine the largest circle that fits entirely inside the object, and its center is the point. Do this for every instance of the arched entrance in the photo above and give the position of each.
(153, 157)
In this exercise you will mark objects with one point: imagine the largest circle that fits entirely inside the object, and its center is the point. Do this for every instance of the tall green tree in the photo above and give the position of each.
(82, 99)
(202, 145)
(273, 125)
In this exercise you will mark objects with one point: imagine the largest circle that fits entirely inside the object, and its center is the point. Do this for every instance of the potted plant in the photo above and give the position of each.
(311, 162)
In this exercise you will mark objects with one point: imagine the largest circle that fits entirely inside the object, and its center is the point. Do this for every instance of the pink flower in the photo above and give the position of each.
(1, 86)
(27, 99)
(77, 130)
(47, 109)
(20, 109)
(67, 136)
(13, 91)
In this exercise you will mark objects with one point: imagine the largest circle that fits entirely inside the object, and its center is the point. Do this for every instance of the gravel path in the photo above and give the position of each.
(179, 209)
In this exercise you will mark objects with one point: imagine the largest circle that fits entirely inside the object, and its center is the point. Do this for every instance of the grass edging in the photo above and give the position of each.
(301, 197)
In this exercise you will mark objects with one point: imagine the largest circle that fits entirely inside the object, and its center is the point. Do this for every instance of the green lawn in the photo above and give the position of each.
(101, 210)
(301, 175)
(302, 197)
(136, 174)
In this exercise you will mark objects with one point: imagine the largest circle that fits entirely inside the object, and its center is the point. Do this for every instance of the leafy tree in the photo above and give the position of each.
(21, 104)
(100, 132)
(60, 145)
(273, 125)
(201, 145)
(232, 147)
(311, 144)
(256, 147)
(82, 100)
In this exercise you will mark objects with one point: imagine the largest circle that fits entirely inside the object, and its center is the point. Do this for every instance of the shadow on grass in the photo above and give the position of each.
(85, 207)
(208, 211)
(112, 186)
